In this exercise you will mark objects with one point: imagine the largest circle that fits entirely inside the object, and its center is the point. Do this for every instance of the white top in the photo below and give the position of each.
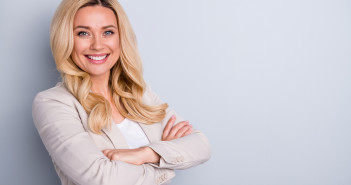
(133, 134)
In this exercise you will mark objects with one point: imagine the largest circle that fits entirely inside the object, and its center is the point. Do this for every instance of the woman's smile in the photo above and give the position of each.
(97, 58)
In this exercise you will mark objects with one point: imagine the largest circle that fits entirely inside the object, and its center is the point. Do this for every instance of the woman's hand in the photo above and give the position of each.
(181, 129)
(136, 156)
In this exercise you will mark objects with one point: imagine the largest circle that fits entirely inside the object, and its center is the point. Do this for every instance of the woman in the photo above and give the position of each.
(103, 124)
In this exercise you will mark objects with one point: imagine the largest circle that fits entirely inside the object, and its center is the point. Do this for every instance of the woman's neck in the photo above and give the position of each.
(101, 86)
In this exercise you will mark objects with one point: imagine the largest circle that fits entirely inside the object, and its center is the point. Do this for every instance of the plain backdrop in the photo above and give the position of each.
(268, 82)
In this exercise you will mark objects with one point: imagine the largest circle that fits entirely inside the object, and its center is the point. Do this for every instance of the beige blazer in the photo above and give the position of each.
(76, 152)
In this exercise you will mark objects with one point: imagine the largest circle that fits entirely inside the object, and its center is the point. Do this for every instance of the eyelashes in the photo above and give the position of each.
(82, 33)
(85, 34)
(109, 33)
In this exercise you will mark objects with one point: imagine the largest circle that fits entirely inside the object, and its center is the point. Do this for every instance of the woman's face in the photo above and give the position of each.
(96, 40)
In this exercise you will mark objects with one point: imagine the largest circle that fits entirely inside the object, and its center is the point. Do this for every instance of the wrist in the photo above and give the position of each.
(149, 155)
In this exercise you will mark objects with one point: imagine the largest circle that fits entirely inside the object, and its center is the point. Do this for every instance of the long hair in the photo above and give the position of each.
(126, 77)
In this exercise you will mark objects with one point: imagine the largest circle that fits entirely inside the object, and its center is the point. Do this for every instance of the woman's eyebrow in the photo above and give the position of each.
(109, 26)
(87, 27)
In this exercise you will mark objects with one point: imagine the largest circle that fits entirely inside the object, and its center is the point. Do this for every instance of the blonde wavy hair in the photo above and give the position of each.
(126, 79)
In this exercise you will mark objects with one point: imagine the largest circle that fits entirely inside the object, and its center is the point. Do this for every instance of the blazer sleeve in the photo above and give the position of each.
(181, 153)
(75, 153)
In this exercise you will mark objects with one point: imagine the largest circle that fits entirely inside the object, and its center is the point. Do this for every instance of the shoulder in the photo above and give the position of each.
(53, 104)
(58, 93)
(56, 99)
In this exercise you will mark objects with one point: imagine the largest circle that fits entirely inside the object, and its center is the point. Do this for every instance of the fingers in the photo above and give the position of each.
(182, 132)
(105, 151)
(188, 132)
(181, 129)
(172, 131)
(177, 127)
(168, 127)
(108, 153)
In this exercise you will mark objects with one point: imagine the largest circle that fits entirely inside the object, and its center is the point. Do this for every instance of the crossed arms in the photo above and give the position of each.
(73, 151)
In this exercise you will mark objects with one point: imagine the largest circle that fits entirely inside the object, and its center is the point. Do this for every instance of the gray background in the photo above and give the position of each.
(268, 82)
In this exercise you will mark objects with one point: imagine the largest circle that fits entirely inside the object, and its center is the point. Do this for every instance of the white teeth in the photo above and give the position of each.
(97, 58)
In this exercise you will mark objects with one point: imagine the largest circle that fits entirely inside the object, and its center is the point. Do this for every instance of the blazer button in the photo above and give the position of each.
(162, 178)
(159, 181)
(180, 159)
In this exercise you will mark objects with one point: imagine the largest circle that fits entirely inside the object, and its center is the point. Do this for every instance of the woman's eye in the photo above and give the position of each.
(108, 33)
(82, 33)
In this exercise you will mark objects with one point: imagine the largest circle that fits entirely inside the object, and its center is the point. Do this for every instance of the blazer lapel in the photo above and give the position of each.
(152, 131)
(116, 137)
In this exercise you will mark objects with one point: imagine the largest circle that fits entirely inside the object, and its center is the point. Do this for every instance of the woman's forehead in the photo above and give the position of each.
(95, 16)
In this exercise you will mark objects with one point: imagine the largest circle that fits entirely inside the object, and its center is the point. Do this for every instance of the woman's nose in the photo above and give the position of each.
(96, 43)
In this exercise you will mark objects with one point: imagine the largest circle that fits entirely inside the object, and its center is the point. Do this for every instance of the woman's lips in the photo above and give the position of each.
(97, 58)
